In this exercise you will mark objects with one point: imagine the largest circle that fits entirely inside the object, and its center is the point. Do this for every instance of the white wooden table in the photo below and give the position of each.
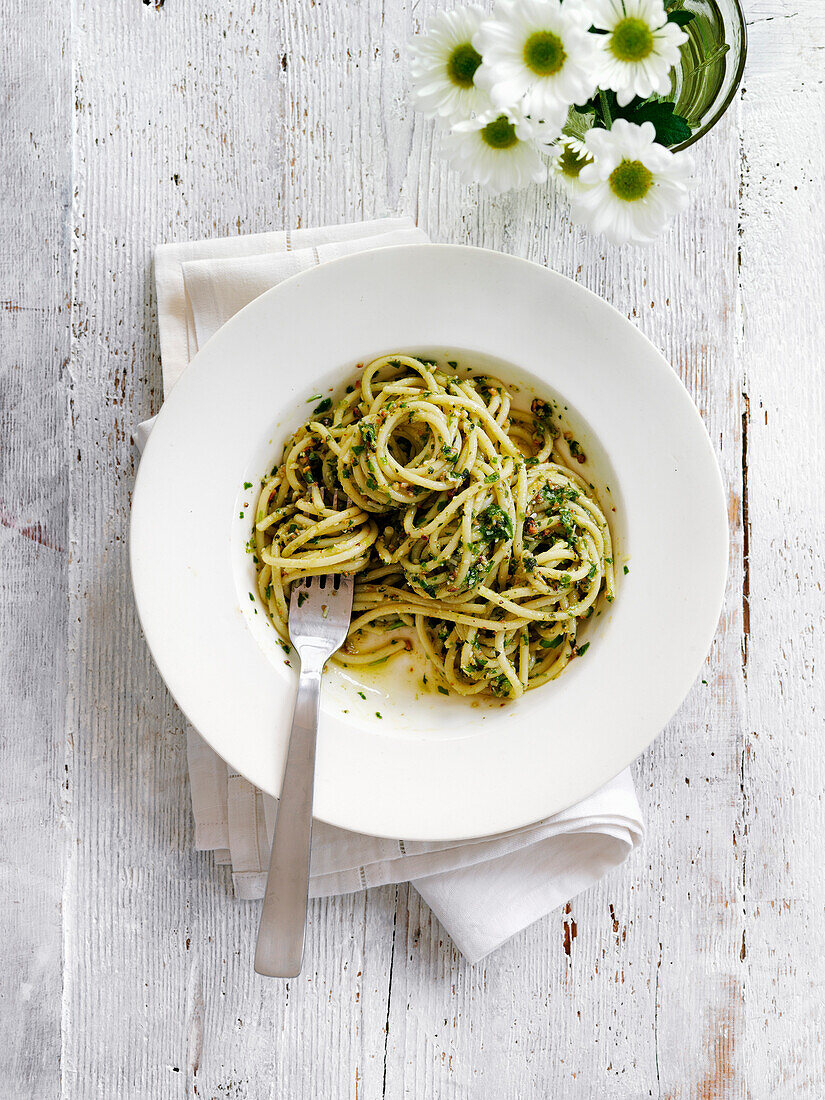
(698, 970)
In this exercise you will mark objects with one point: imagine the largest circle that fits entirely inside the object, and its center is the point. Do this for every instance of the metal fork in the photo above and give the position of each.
(320, 609)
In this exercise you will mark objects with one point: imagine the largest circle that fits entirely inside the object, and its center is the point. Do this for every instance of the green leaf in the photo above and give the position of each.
(671, 129)
(681, 18)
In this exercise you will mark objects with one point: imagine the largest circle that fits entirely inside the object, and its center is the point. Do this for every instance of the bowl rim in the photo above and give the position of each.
(522, 767)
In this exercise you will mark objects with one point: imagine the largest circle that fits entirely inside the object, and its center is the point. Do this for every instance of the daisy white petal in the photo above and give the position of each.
(637, 54)
(443, 65)
(497, 150)
(538, 55)
(633, 186)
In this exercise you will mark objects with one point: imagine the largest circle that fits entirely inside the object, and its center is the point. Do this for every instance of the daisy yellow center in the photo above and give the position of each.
(462, 64)
(631, 40)
(500, 133)
(544, 53)
(631, 180)
(571, 162)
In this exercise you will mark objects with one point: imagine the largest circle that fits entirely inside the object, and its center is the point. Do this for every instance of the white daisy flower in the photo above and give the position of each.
(538, 55)
(570, 156)
(497, 150)
(634, 186)
(640, 49)
(443, 66)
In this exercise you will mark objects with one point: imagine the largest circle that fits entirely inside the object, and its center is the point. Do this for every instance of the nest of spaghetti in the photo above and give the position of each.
(469, 530)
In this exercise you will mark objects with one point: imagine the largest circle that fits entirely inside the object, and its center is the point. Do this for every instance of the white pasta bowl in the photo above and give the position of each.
(393, 761)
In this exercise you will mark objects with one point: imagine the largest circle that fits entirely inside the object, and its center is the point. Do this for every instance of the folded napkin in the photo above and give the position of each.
(482, 891)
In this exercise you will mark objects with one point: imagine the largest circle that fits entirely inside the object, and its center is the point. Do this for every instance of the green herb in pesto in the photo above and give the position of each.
(495, 524)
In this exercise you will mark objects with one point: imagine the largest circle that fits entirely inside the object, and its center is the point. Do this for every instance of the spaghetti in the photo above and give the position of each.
(469, 529)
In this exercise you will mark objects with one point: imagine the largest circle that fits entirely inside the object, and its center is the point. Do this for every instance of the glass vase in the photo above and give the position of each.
(713, 60)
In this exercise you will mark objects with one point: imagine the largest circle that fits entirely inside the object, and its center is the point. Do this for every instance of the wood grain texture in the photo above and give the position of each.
(783, 286)
(34, 434)
(696, 970)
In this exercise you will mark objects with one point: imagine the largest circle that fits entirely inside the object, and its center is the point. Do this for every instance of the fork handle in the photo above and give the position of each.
(280, 946)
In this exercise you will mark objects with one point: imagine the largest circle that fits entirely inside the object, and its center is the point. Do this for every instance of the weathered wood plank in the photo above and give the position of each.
(783, 288)
(34, 425)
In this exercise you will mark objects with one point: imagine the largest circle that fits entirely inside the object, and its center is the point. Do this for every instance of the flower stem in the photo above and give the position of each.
(715, 54)
(606, 115)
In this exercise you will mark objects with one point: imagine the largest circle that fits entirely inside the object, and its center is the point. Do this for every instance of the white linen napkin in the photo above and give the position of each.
(482, 891)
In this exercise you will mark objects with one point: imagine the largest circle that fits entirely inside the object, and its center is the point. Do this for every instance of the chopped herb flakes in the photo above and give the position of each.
(495, 524)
